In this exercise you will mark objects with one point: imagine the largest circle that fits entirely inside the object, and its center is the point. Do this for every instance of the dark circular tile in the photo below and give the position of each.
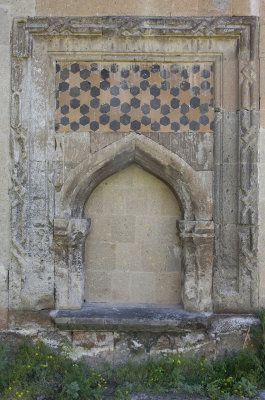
(155, 68)
(64, 74)
(195, 102)
(104, 74)
(58, 68)
(74, 103)
(165, 74)
(174, 91)
(145, 108)
(205, 85)
(94, 67)
(195, 91)
(104, 85)
(205, 74)
(184, 120)
(57, 104)
(84, 73)
(104, 119)
(65, 109)
(204, 108)
(104, 108)
(204, 120)
(146, 120)
(135, 102)
(125, 73)
(63, 86)
(134, 90)
(74, 126)
(95, 103)
(184, 86)
(135, 125)
(135, 68)
(84, 109)
(84, 120)
(114, 125)
(145, 74)
(184, 109)
(114, 90)
(115, 102)
(174, 68)
(114, 68)
(212, 126)
(95, 91)
(154, 90)
(165, 85)
(94, 125)
(175, 126)
(164, 121)
(85, 86)
(184, 74)
(174, 103)
(144, 85)
(65, 121)
(194, 126)
(75, 68)
(74, 91)
(155, 126)
(57, 126)
(124, 85)
(155, 104)
(195, 68)
(125, 119)
(125, 108)
(165, 109)
(212, 90)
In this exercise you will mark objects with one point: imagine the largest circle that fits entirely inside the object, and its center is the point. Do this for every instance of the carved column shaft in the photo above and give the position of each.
(197, 241)
(69, 241)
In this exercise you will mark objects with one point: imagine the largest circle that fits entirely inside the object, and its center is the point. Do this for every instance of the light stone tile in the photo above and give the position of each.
(114, 202)
(128, 257)
(166, 230)
(146, 230)
(168, 288)
(173, 258)
(100, 255)
(120, 287)
(153, 257)
(98, 286)
(123, 229)
(100, 228)
(142, 287)
(77, 146)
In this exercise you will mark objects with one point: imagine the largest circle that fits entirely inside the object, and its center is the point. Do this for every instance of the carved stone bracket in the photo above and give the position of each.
(197, 241)
(69, 240)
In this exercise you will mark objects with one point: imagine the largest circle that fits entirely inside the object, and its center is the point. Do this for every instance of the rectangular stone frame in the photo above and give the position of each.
(33, 149)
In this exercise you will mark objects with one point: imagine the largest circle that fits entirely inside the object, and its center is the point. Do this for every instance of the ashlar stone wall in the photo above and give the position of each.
(133, 254)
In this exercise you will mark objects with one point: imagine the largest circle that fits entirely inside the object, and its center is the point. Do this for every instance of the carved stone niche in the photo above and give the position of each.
(53, 174)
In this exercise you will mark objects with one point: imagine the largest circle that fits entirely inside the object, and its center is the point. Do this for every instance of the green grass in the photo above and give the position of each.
(38, 371)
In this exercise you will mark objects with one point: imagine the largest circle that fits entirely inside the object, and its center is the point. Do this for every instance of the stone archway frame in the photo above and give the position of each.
(196, 229)
(36, 45)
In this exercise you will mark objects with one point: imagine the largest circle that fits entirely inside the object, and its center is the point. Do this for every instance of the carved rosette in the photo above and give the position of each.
(197, 241)
(69, 241)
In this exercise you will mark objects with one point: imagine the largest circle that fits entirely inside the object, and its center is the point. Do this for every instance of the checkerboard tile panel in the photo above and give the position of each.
(141, 97)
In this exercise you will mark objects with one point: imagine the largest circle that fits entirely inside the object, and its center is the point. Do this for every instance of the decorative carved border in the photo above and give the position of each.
(245, 29)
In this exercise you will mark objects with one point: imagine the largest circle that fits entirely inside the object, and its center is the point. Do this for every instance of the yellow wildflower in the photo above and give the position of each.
(10, 388)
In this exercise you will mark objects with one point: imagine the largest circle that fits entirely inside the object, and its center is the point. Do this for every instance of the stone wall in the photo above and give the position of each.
(38, 292)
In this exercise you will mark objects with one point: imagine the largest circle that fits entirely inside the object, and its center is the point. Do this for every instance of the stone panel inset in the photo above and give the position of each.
(140, 97)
